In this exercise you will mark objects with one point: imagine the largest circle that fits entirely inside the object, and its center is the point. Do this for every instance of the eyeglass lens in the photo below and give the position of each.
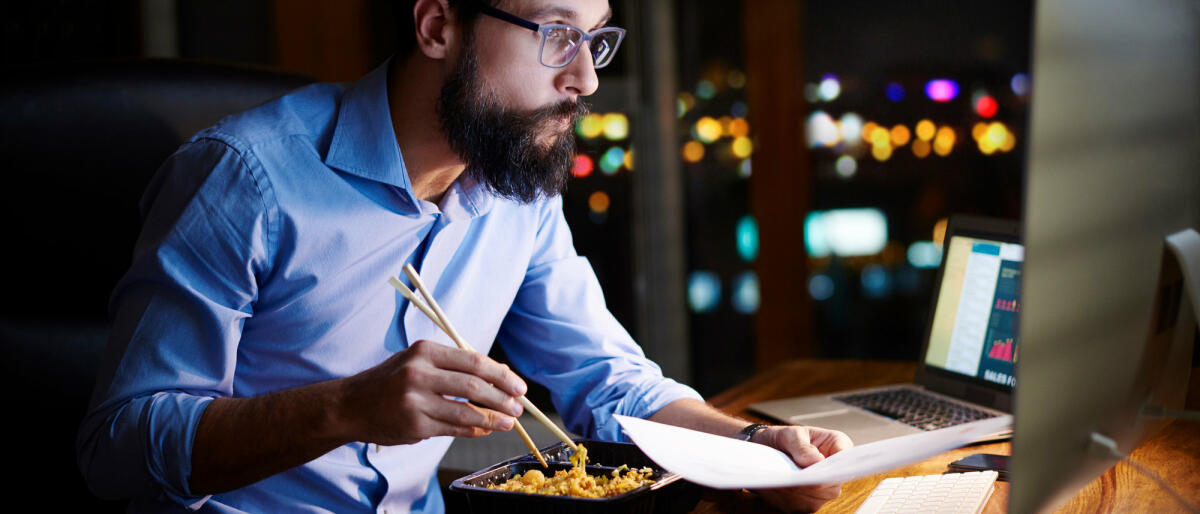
(561, 44)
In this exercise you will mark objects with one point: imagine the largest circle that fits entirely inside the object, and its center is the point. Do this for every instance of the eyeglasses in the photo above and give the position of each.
(561, 43)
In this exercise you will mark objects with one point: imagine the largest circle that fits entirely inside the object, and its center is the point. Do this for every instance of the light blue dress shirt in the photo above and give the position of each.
(263, 264)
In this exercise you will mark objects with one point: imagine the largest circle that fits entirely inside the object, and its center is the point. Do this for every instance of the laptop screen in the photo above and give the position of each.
(974, 331)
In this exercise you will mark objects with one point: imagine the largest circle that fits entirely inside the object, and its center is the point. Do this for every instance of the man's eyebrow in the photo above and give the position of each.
(564, 13)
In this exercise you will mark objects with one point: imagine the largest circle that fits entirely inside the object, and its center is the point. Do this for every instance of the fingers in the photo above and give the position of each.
(474, 389)
(473, 363)
(467, 420)
(797, 442)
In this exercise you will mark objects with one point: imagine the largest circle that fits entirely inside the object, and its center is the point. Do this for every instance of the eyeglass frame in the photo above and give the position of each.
(543, 31)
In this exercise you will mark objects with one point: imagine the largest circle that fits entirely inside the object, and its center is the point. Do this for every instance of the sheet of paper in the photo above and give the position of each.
(726, 463)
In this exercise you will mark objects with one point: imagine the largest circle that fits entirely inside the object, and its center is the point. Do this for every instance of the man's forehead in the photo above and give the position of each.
(577, 12)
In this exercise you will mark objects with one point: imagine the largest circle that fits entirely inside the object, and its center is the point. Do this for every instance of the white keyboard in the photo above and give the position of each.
(965, 493)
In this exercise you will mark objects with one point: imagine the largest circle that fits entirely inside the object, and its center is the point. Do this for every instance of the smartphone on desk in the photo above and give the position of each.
(982, 462)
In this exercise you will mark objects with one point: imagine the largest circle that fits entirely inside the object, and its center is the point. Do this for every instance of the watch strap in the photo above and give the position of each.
(749, 431)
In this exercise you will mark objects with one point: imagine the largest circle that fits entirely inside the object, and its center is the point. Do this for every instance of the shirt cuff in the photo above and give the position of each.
(641, 402)
(170, 431)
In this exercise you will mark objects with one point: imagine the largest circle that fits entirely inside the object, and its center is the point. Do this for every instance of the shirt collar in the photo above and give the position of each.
(364, 144)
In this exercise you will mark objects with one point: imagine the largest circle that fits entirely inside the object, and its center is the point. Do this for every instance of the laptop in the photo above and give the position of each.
(969, 353)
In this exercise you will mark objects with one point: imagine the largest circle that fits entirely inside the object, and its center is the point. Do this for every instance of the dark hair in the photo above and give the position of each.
(406, 39)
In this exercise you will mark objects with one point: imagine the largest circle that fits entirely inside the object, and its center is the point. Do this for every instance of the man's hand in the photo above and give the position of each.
(403, 399)
(806, 446)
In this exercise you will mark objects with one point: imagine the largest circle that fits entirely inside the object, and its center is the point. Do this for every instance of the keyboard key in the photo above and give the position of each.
(954, 493)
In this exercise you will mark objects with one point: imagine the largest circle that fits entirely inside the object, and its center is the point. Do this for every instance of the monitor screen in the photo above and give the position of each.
(975, 318)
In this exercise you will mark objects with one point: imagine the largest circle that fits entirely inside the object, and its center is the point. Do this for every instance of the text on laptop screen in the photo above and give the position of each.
(974, 328)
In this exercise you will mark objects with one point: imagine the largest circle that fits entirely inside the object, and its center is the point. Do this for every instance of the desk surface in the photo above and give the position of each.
(1174, 453)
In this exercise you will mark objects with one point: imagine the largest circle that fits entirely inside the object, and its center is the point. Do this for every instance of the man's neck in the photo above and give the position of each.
(413, 88)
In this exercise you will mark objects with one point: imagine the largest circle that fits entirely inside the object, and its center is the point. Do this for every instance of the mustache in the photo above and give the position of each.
(575, 109)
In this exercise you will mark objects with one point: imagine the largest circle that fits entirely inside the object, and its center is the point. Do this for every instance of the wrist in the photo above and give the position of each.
(753, 432)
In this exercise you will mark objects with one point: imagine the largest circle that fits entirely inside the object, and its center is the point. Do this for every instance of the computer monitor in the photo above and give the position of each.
(1113, 167)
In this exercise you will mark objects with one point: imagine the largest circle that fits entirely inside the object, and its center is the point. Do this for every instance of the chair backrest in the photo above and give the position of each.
(79, 143)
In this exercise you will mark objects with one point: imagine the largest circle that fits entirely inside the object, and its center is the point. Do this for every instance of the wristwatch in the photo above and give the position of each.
(749, 431)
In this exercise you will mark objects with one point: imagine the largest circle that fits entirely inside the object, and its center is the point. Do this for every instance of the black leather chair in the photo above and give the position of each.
(78, 143)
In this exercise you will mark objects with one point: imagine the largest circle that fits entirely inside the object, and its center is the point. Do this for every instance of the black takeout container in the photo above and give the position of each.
(669, 494)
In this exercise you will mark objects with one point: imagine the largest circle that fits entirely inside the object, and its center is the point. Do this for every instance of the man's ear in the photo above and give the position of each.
(436, 26)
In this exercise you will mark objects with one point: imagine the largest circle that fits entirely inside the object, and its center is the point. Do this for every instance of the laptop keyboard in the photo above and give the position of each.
(915, 408)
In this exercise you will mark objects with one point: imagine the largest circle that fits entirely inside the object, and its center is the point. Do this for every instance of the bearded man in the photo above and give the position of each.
(258, 359)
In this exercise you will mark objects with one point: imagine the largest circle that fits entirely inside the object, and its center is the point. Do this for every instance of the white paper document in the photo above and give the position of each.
(726, 463)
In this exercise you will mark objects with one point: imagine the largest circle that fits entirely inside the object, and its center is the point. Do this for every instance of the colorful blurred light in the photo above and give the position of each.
(868, 129)
(744, 168)
(704, 291)
(1020, 84)
(583, 166)
(616, 126)
(921, 148)
(882, 152)
(746, 296)
(939, 231)
(612, 159)
(705, 89)
(739, 127)
(846, 166)
(900, 135)
(820, 287)
(943, 142)
(810, 93)
(894, 91)
(598, 202)
(742, 147)
(591, 126)
(747, 238)
(941, 90)
(829, 89)
(822, 131)
(924, 254)
(876, 281)
(708, 129)
(925, 130)
(851, 128)
(628, 162)
(845, 232)
(986, 106)
(739, 109)
(693, 151)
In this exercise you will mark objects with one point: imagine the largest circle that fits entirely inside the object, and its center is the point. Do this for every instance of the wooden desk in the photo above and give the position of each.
(1174, 453)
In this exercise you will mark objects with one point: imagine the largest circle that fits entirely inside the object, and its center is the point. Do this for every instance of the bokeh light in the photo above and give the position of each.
(851, 127)
(829, 89)
(590, 126)
(582, 166)
(704, 291)
(821, 130)
(939, 231)
(925, 130)
(894, 91)
(820, 287)
(744, 168)
(708, 129)
(882, 152)
(876, 281)
(612, 159)
(742, 147)
(845, 232)
(739, 109)
(616, 126)
(693, 151)
(900, 135)
(846, 166)
(628, 162)
(941, 90)
(924, 254)
(599, 202)
(943, 142)
(986, 106)
(747, 238)
(921, 148)
(739, 127)
(1020, 84)
(705, 89)
(736, 79)
(746, 296)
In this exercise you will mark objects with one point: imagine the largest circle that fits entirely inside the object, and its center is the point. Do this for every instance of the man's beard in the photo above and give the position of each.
(505, 149)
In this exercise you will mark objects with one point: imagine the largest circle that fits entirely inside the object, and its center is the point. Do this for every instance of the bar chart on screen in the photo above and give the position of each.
(1003, 350)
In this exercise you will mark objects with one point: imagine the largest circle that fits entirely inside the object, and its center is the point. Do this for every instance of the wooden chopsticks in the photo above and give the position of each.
(435, 313)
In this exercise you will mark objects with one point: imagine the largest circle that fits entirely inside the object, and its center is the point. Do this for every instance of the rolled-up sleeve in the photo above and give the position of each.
(177, 318)
(560, 333)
